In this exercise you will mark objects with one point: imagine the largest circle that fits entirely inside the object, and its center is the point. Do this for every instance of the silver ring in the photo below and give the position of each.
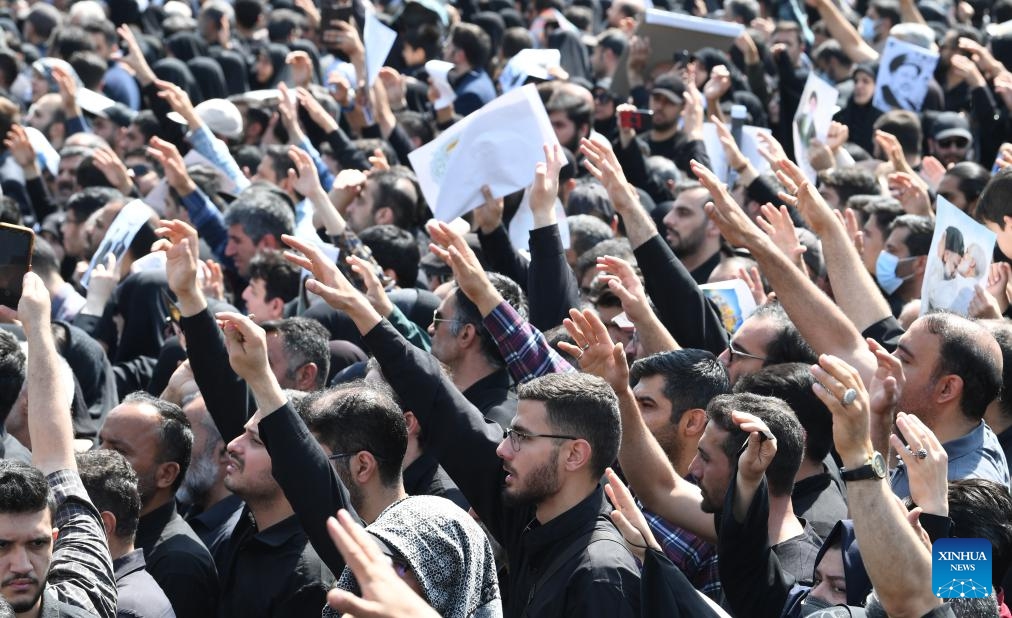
(849, 396)
(585, 347)
(921, 454)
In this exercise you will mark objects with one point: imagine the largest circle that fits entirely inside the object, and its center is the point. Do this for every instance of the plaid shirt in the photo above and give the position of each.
(81, 572)
(696, 558)
(524, 348)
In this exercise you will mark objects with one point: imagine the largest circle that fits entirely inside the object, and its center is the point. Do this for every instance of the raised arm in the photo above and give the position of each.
(622, 280)
(880, 521)
(822, 324)
(644, 463)
(844, 32)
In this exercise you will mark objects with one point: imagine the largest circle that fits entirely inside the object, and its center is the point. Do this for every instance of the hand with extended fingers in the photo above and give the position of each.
(597, 353)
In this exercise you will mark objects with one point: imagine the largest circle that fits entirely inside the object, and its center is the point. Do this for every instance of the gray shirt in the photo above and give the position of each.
(977, 455)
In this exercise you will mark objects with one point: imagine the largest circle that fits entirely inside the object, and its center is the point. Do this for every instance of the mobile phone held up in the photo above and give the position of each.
(640, 120)
(16, 244)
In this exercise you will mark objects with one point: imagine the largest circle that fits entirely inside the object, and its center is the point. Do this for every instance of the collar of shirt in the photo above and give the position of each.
(128, 563)
(150, 526)
(563, 528)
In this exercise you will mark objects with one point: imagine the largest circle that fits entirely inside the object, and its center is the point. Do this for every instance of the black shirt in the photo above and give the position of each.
(138, 594)
(273, 572)
(701, 274)
(215, 524)
(818, 500)
(425, 477)
(494, 396)
(179, 562)
(797, 554)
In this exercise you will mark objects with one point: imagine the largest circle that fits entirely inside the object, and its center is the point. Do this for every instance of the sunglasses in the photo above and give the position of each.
(953, 142)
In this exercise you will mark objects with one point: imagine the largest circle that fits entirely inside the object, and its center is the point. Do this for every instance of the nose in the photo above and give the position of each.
(695, 469)
(431, 329)
(505, 449)
(725, 357)
(230, 249)
(19, 562)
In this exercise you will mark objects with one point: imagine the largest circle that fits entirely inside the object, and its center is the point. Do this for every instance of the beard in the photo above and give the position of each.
(200, 478)
(26, 604)
(688, 245)
(541, 483)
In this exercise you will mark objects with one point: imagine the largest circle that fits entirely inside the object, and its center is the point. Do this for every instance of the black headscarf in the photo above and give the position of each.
(309, 47)
(211, 78)
(575, 59)
(277, 54)
(236, 71)
(186, 46)
(175, 70)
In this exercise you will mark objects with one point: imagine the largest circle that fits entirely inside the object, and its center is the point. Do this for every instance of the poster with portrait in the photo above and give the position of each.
(959, 259)
(733, 299)
(904, 72)
(119, 235)
(812, 119)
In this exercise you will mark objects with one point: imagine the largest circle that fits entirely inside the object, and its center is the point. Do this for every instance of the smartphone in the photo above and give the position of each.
(640, 120)
(16, 244)
(330, 14)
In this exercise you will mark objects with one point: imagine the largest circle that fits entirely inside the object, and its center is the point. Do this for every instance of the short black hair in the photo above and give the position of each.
(397, 189)
(614, 40)
(514, 40)
(589, 197)
(586, 231)
(905, 126)
(175, 437)
(281, 278)
(578, 109)
(394, 248)
(787, 345)
(304, 341)
(692, 378)
(881, 210)
(995, 201)
(921, 230)
(1001, 330)
(247, 12)
(792, 382)
(88, 174)
(971, 179)
(850, 181)
(581, 405)
(982, 509)
(359, 416)
(23, 489)
(889, 9)
(66, 40)
(425, 37)
(90, 68)
(781, 421)
(86, 202)
(473, 41)
(961, 354)
(12, 371)
(617, 247)
(467, 313)
(112, 486)
(147, 124)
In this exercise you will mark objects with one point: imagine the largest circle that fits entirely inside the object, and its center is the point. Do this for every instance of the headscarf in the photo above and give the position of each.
(854, 573)
(447, 551)
(175, 70)
(186, 46)
(277, 54)
(575, 59)
(211, 78)
(236, 71)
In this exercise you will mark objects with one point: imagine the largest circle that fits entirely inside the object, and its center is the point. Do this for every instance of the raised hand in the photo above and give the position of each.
(624, 282)
(628, 517)
(179, 101)
(35, 305)
(886, 385)
(926, 462)
(214, 280)
(801, 194)
(374, 290)
(735, 157)
(770, 148)
(983, 306)
(601, 162)
(67, 85)
(754, 282)
(302, 68)
(735, 226)
(172, 163)
(488, 216)
(101, 285)
(304, 178)
(545, 189)
(116, 172)
(597, 354)
(932, 171)
(135, 56)
(893, 151)
(718, 84)
(451, 247)
(838, 135)
(851, 423)
(780, 228)
(911, 192)
(328, 282)
(317, 113)
(759, 449)
(247, 346)
(180, 243)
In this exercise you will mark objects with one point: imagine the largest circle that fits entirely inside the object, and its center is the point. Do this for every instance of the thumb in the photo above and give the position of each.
(327, 293)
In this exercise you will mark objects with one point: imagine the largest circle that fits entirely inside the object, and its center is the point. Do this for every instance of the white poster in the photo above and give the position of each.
(438, 71)
(119, 235)
(498, 145)
(378, 39)
(904, 72)
(812, 119)
(749, 147)
(733, 299)
(528, 63)
(959, 259)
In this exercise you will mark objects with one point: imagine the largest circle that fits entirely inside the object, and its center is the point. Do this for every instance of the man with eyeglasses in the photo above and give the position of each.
(767, 337)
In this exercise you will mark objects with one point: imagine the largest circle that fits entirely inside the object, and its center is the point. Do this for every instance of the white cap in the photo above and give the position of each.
(220, 115)
(94, 103)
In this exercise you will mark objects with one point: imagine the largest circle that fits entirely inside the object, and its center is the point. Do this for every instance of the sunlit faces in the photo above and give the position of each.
(26, 551)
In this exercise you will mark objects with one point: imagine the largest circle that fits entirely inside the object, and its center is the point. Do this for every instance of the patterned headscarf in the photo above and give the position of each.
(448, 552)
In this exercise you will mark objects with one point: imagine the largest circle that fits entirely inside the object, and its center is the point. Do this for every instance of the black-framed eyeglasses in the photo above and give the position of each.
(733, 351)
(518, 437)
(953, 142)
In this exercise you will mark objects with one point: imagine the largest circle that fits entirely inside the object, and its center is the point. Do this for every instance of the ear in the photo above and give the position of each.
(412, 422)
(920, 265)
(166, 474)
(692, 423)
(577, 455)
(1005, 222)
(268, 242)
(277, 306)
(109, 523)
(363, 467)
(307, 376)
(949, 389)
(468, 335)
(383, 216)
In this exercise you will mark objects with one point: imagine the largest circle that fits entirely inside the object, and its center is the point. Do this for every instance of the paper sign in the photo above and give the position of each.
(812, 119)
(498, 145)
(959, 259)
(523, 222)
(528, 63)
(733, 299)
(904, 72)
(378, 39)
(119, 235)
(438, 71)
(749, 147)
(672, 33)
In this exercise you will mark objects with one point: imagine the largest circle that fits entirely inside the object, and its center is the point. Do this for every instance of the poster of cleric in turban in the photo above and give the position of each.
(904, 72)
(959, 259)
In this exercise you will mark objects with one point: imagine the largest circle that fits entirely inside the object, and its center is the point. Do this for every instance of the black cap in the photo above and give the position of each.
(671, 86)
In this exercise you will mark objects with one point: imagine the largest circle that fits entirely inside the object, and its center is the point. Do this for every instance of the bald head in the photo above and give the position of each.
(969, 351)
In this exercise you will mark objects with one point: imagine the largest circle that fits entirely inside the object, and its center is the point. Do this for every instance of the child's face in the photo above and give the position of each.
(1004, 233)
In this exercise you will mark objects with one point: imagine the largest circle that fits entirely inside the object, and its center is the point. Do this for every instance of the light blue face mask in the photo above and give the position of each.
(885, 271)
(867, 28)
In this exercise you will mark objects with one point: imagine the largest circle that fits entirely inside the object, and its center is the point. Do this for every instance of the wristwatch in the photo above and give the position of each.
(874, 468)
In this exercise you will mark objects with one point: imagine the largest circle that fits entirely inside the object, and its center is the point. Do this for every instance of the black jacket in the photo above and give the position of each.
(600, 579)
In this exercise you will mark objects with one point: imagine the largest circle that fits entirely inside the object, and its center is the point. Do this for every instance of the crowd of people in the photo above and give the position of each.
(250, 374)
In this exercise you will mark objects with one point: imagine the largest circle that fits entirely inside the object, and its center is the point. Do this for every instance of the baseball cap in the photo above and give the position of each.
(951, 124)
(220, 115)
(671, 86)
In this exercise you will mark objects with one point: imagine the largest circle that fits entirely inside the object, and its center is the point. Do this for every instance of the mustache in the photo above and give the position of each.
(13, 578)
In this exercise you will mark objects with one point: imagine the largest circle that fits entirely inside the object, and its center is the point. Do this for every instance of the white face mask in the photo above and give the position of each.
(867, 28)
